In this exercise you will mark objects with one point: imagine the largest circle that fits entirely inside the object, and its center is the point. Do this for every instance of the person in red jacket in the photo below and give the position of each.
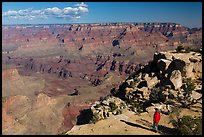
(156, 119)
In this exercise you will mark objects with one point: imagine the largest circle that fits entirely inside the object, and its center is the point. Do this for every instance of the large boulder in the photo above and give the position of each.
(151, 81)
(188, 69)
(158, 56)
(163, 64)
(188, 66)
(197, 69)
(176, 79)
(177, 64)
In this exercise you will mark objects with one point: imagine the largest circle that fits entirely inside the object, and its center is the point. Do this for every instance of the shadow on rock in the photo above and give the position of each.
(166, 130)
(163, 130)
(136, 125)
(84, 117)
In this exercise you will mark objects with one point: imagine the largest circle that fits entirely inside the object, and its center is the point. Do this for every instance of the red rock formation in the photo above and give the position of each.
(69, 56)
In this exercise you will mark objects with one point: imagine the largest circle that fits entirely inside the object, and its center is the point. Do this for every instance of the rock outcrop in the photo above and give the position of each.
(159, 84)
(105, 108)
(176, 79)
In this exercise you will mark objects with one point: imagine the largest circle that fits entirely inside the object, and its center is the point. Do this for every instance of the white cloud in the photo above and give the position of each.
(69, 10)
(81, 5)
(36, 11)
(53, 10)
(24, 12)
(77, 17)
(10, 13)
(71, 13)
(83, 9)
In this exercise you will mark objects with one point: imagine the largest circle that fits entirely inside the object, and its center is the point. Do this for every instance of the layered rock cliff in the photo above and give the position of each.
(77, 64)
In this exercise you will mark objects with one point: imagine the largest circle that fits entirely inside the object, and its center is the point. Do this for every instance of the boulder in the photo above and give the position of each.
(105, 102)
(197, 69)
(158, 56)
(163, 64)
(188, 69)
(176, 79)
(115, 100)
(151, 82)
(128, 90)
(173, 92)
(194, 59)
(177, 64)
(100, 113)
(145, 92)
(196, 95)
(102, 110)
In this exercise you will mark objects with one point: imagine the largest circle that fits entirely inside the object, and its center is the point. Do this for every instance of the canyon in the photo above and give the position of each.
(52, 72)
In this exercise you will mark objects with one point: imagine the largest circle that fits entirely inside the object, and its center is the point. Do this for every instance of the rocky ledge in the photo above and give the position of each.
(170, 80)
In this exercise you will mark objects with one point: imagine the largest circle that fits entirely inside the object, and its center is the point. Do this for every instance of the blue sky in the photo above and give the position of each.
(188, 14)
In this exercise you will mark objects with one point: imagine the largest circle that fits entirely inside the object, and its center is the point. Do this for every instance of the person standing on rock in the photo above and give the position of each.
(156, 119)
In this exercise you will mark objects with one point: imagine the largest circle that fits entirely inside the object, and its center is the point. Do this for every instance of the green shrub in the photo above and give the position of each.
(93, 119)
(197, 50)
(180, 49)
(3, 99)
(188, 49)
(136, 105)
(189, 85)
(157, 95)
(97, 106)
(198, 129)
(112, 106)
(187, 125)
